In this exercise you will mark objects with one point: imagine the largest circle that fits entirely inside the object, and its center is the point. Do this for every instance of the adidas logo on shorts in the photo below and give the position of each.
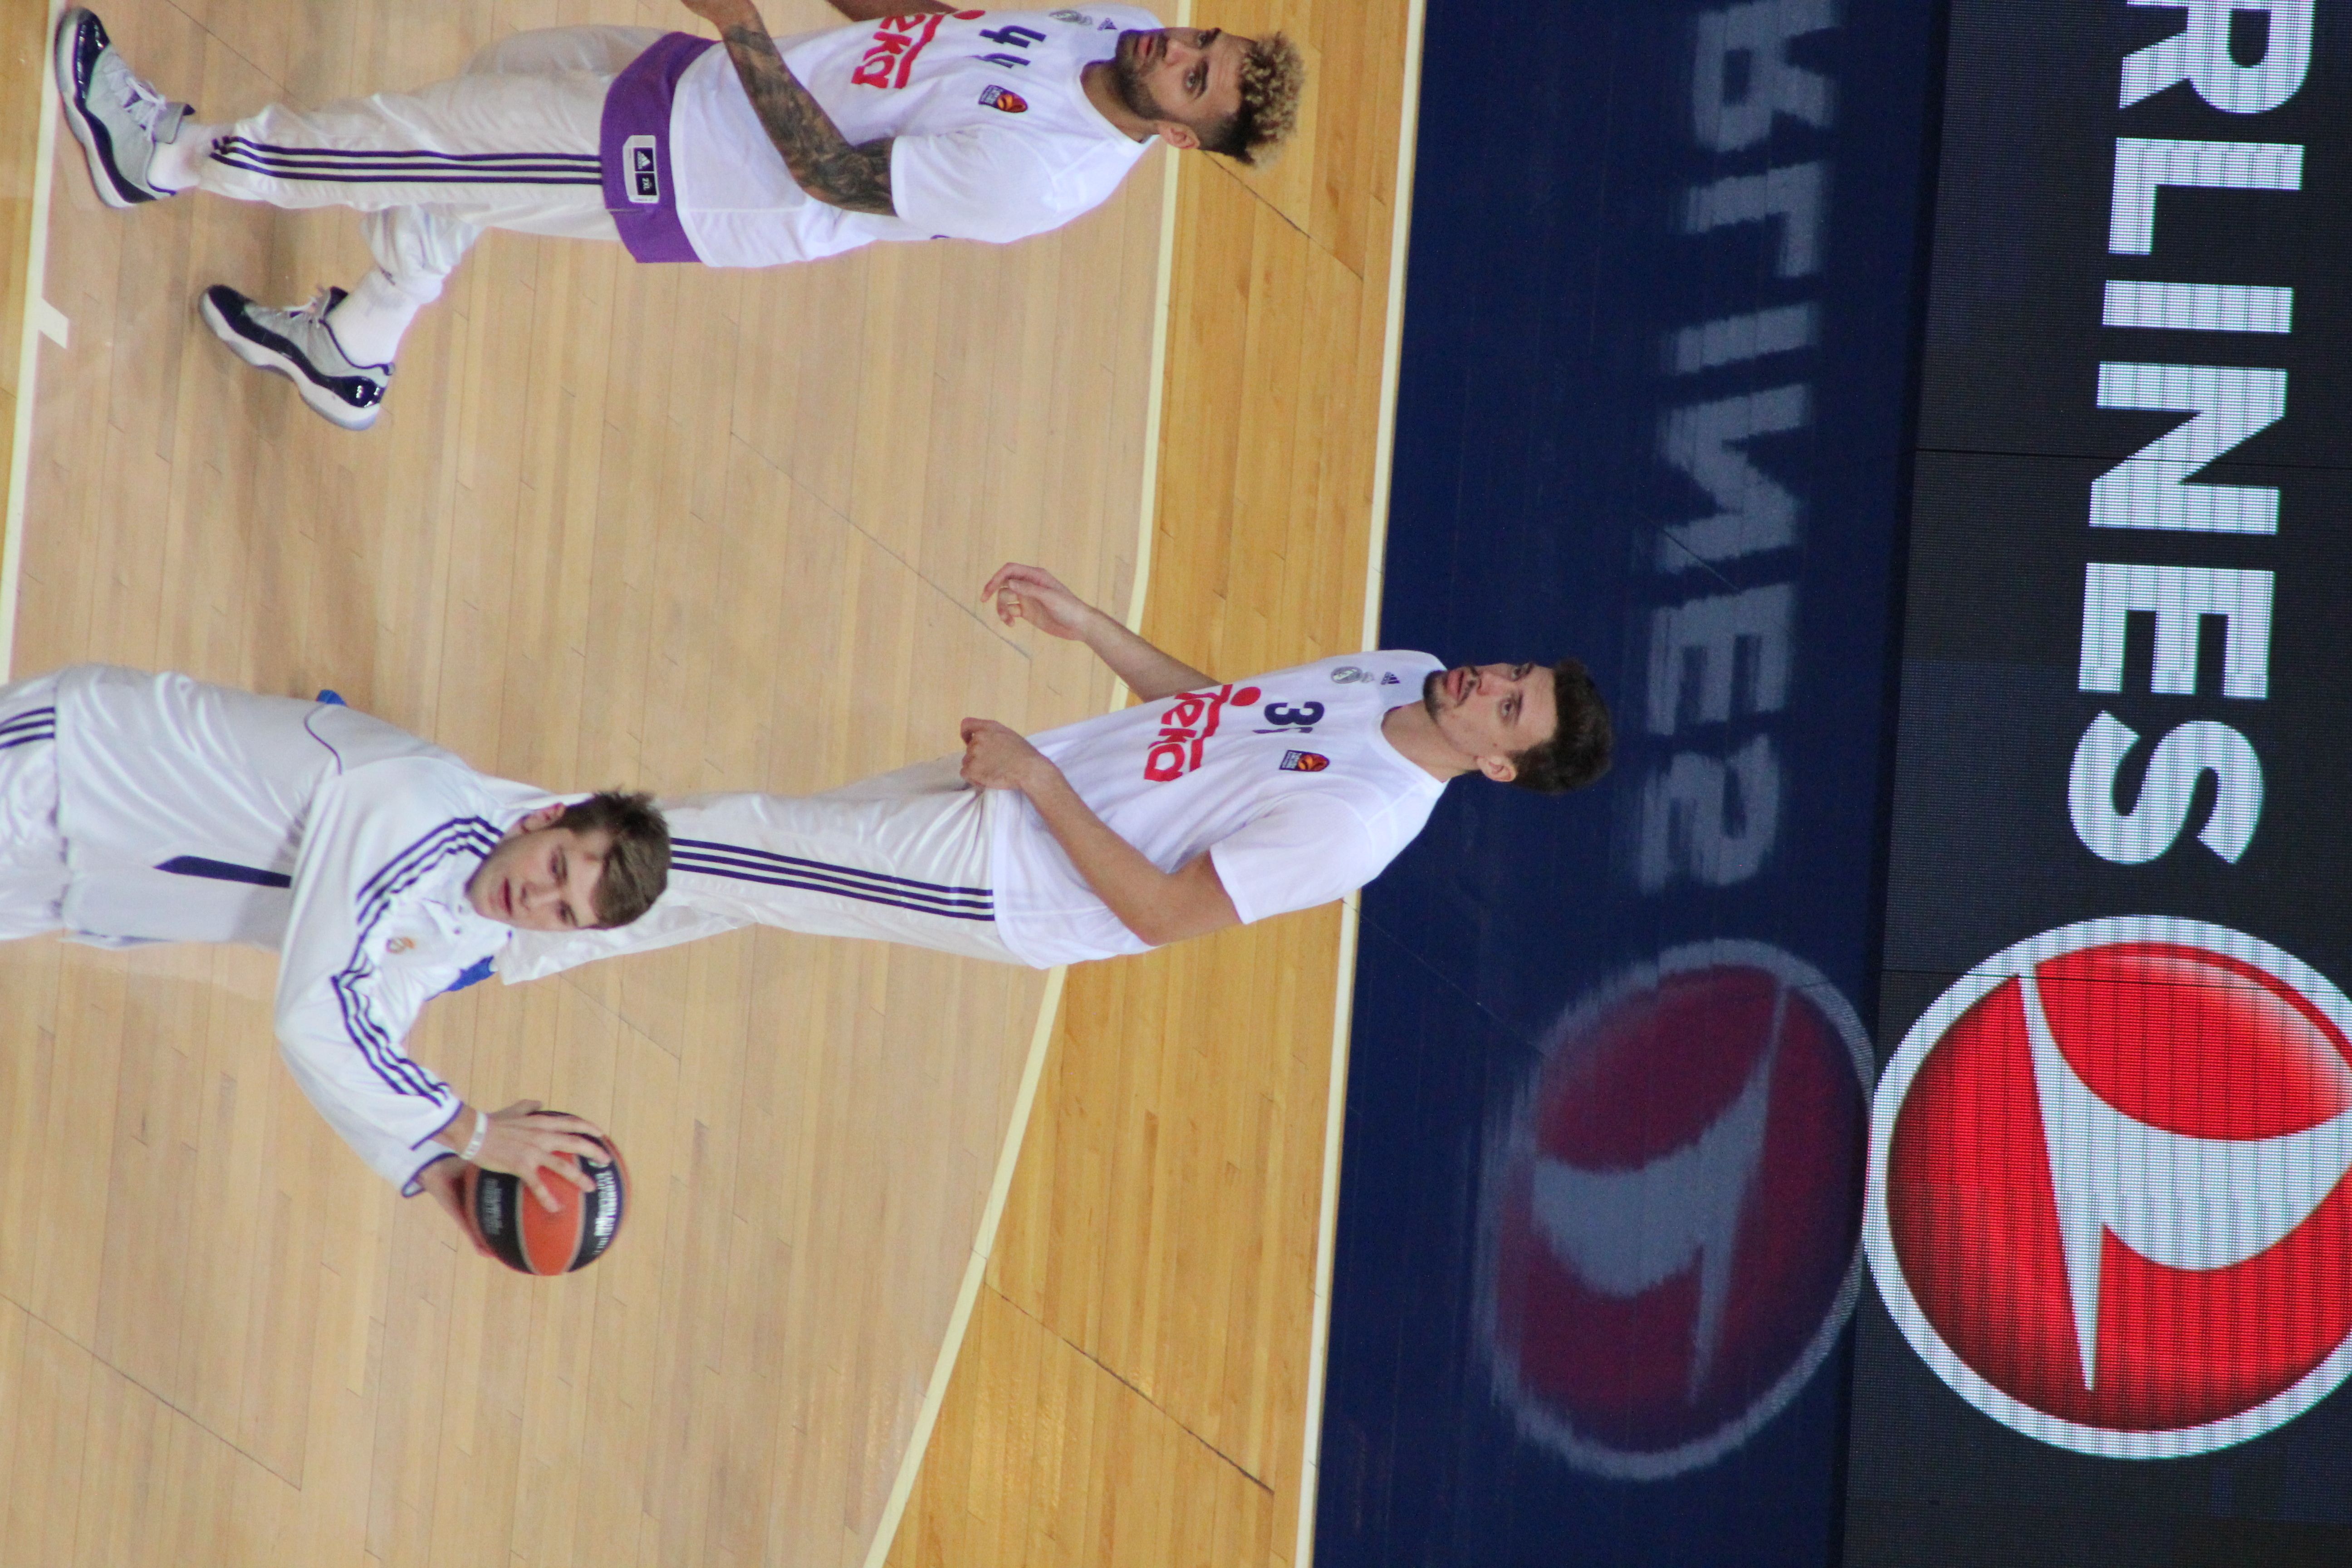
(644, 170)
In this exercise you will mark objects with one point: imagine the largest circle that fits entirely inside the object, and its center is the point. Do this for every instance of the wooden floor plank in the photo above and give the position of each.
(658, 525)
(699, 530)
(1160, 1232)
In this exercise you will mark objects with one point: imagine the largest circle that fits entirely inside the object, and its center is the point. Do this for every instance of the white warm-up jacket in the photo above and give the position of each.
(199, 813)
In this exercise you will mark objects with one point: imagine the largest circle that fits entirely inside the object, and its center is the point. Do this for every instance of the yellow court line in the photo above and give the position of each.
(935, 1393)
(1152, 413)
(1326, 1227)
(1393, 329)
(968, 1294)
(38, 317)
(1163, 290)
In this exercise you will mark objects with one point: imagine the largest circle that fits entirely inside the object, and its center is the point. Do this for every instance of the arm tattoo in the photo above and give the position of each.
(819, 158)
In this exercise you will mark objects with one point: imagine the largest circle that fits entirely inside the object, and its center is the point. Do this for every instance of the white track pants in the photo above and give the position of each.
(32, 851)
(903, 858)
(513, 143)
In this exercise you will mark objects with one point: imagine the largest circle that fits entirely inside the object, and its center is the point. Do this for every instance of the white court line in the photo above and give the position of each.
(935, 1394)
(1343, 1009)
(41, 320)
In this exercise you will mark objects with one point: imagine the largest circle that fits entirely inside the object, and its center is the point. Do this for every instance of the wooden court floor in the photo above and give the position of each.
(685, 529)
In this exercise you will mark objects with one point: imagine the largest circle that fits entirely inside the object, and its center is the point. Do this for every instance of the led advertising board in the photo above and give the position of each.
(2109, 1237)
(1608, 1094)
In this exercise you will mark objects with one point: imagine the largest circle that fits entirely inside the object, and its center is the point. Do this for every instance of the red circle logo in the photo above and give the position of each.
(1669, 1243)
(2106, 1200)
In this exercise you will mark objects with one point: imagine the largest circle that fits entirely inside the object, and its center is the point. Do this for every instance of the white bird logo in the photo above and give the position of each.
(2186, 1203)
(1624, 1233)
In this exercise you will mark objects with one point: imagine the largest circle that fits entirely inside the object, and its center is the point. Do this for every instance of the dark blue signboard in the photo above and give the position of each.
(1609, 1093)
(2110, 1312)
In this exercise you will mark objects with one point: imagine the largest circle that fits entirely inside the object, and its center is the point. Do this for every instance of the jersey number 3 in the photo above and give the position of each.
(1285, 717)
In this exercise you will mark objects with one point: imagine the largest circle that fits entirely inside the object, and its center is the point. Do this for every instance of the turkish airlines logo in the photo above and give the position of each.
(1670, 1242)
(2106, 1199)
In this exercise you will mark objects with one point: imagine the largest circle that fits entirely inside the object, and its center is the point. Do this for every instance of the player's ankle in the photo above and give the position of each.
(179, 163)
(369, 321)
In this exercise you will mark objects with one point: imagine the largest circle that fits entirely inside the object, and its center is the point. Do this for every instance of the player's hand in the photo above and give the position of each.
(1034, 594)
(443, 1179)
(524, 1141)
(995, 757)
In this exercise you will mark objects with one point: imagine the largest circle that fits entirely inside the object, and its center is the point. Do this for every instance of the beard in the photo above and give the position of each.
(1430, 686)
(1127, 78)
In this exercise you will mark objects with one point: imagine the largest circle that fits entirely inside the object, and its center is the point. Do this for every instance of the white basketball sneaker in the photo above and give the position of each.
(300, 345)
(118, 120)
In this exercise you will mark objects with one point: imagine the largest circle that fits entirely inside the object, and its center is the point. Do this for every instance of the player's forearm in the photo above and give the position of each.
(393, 1130)
(1149, 673)
(822, 160)
(1160, 907)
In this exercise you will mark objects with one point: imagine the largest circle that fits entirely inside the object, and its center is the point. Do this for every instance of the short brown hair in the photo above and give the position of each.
(1272, 78)
(636, 868)
(1581, 740)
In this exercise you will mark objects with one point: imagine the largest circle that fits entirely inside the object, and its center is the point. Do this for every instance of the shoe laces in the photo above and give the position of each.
(148, 109)
(315, 315)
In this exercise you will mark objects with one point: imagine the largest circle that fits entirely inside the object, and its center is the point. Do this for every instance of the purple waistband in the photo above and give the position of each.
(639, 191)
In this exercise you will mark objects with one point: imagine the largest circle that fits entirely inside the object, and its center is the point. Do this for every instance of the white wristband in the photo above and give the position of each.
(481, 1135)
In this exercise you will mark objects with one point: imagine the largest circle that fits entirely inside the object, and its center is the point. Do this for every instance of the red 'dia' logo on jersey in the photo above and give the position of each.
(2106, 1200)
(1669, 1245)
(898, 41)
(1187, 725)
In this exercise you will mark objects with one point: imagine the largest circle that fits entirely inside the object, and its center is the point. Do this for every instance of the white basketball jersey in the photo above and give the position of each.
(1284, 780)
(994, 137)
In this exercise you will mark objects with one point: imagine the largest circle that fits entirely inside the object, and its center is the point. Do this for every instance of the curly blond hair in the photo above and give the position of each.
(1272, 76)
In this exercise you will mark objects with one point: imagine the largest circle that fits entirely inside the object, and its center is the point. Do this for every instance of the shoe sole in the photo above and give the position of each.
(322, 403)
(97, 146)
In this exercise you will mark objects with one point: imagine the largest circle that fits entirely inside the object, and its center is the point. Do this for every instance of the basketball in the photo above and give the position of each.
(529, 1238)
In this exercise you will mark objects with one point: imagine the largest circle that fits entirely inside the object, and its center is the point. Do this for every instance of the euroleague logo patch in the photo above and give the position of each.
(1003, 97)
(2106, 1202)
(1304, 761)
(1668, 1243)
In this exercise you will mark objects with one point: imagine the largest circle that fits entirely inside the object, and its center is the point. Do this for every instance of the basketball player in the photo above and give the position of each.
(917, 121)
(137, 809)
(1210, 803)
